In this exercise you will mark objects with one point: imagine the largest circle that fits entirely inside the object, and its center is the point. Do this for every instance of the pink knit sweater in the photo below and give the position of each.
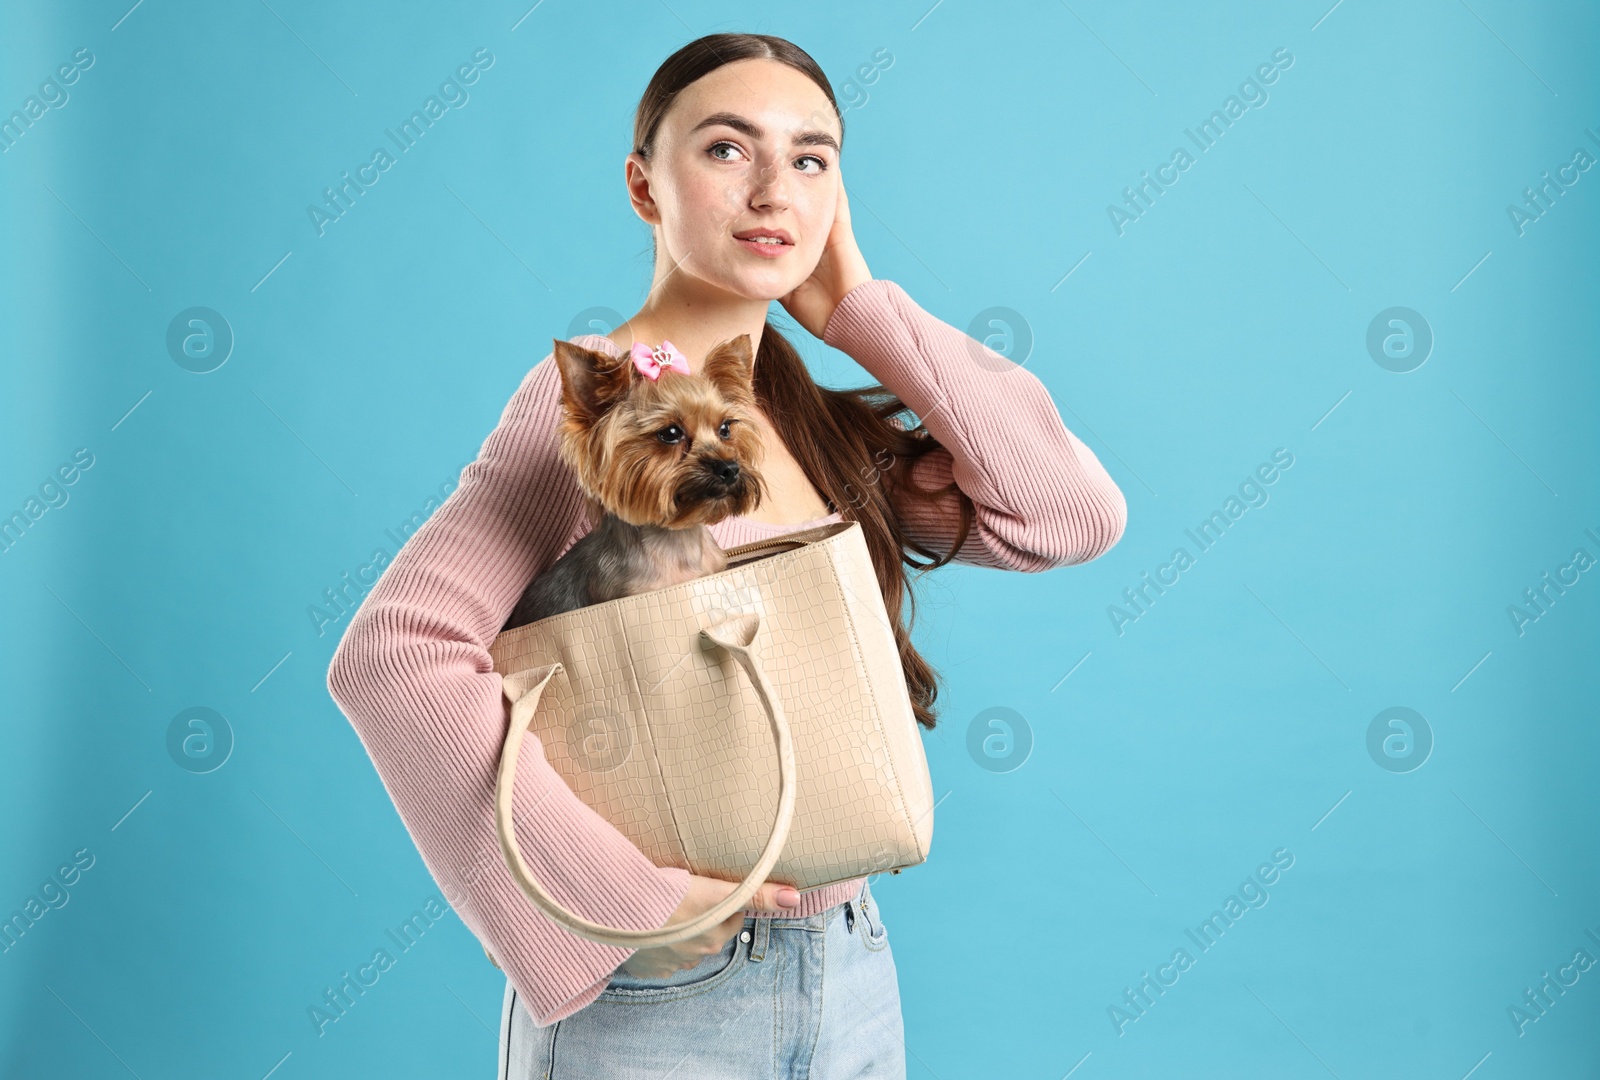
(413, 673)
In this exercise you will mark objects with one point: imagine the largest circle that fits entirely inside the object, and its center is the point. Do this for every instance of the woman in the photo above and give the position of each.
(737, 136)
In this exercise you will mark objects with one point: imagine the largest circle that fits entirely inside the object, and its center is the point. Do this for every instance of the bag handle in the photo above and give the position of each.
(737, 636)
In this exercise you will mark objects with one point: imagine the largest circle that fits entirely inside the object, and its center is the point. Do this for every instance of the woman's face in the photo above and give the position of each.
(750, 149)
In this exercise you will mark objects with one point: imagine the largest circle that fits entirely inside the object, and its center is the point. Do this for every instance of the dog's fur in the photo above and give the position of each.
(657, 495)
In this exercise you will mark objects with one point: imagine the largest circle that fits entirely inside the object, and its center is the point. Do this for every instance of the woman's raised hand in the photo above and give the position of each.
(841, 268)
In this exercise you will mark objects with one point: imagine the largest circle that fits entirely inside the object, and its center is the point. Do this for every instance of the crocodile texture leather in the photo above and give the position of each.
(663, 732)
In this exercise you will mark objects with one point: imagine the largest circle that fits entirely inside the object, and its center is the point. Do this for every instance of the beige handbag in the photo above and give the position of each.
(753, 724)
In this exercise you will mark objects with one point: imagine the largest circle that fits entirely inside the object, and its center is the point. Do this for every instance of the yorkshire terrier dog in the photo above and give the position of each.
(662, 453)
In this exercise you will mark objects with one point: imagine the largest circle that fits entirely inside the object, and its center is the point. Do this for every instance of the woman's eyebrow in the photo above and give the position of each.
(755, 131)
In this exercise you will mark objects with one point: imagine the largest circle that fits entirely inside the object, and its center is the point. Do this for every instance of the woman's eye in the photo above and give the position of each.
(819, 165)
(672, 434)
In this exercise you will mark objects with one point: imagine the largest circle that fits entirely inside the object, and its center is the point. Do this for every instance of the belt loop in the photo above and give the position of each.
(758, 947)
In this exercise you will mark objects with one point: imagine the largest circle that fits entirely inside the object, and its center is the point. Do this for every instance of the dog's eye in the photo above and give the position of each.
(672, 434)
(726, 430)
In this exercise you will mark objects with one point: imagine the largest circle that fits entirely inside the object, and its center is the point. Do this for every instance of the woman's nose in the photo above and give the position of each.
(770, 187)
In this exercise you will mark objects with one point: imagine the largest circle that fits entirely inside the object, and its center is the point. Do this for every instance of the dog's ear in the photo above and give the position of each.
(591, 382)
(731, 369)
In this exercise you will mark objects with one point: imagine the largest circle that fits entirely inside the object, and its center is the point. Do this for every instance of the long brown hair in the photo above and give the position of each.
(849, 443)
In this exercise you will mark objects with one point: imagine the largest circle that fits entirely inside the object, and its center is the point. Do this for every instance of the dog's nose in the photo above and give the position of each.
(724, 469)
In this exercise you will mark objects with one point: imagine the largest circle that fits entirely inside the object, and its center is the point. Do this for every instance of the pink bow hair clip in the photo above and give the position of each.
(651, 362)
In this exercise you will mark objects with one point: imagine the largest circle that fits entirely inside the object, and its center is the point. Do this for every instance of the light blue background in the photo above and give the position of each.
(1226, 723)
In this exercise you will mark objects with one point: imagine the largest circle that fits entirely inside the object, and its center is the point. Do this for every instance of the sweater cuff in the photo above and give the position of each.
(857, 328)
(851, 316)
(593, 963)
(582, 856)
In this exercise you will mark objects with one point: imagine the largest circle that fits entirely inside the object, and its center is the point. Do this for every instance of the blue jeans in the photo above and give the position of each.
(785, 998)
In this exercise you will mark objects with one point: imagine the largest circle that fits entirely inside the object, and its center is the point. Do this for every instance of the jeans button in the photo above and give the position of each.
(744, 936)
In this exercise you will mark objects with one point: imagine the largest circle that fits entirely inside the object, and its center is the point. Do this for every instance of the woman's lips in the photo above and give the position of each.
(770, 251)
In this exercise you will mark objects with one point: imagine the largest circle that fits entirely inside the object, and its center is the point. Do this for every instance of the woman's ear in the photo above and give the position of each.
(636, 178)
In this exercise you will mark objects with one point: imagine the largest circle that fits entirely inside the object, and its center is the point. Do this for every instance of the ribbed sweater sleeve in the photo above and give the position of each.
(1042, 498)
(414, 676)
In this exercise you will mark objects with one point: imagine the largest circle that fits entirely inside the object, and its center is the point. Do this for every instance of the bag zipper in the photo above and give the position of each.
(780, 543)
(761, 546)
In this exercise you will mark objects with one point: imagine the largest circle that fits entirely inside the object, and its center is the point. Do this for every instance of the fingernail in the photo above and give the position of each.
(788, 897)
